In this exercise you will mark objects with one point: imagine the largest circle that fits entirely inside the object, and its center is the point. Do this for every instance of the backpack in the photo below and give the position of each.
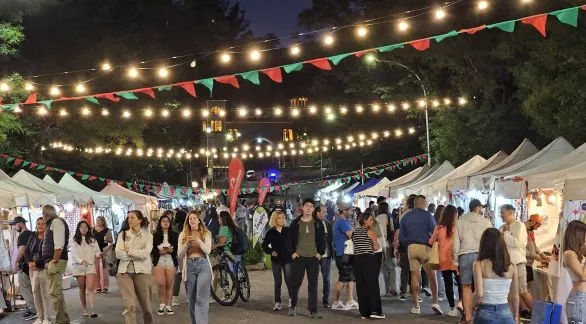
(239, 244)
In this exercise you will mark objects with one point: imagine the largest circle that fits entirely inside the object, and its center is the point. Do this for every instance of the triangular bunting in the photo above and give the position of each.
(208, 83)
(420, 45)
(33, 165)
(165, 88)
(85, 177)
(538, 21)
(271, 188)
(228, 79)
(46, 103)
(17, 162)
(440, 38)
(567, 16)
(9, 160)
(362, 53)
(321, 63)
(102, 179)
(278, 188)
(389, 48)
(275, 74)
(474, 30)
(25, 164)
(41, 167)
(507, 26)
(93, 100)
(147, 91)
(189, 87)
(338, 58)
(110, 96)
(292, 67)
(127, 95)
(49, 168)
(92, 178)
(32, 98)
(251, 76)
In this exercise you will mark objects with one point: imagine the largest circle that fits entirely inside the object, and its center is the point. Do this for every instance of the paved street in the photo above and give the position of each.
(258, 311)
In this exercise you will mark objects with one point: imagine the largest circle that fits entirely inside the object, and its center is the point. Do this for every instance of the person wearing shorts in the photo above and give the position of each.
(164, 256)
(84, 251)
(342, 232)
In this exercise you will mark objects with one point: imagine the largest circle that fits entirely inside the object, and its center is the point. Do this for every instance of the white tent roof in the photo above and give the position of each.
(440, 186)
(482, 180)
(397, 191)
(63, 194)
(516, 189)
(420, 186)
(556, 178)
(379, 189)
(354, 185)
(142, 202)
(413, 175)
(459, 182)
(50, 180)
(331, 187)
(13, 194)
(100, 199)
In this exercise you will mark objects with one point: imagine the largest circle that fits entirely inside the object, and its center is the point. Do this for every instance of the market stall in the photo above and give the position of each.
(438, 190)
(148, 205)
(364, 196)
(396, 187)
(420, 187)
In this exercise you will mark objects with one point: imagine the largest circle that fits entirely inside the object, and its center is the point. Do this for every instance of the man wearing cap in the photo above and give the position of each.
(467, 236)
(342, 231)
(24, 281)
(515, 236)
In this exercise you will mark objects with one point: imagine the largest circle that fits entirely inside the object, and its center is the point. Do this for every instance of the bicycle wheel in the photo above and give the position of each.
(243, 282)
(224, 287)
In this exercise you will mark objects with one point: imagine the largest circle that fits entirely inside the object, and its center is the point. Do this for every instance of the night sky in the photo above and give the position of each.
(274, 16)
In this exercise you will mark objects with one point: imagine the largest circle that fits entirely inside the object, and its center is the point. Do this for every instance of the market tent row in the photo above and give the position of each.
(147, 205)
(421, 187)
(368, 184)
(13, 194)
(396, 187)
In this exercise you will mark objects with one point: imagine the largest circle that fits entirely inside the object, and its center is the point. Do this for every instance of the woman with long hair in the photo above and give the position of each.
(84, 251)
(366, 268)
(226, 237)
(195, 244)
(103, 236)
(164, 256)
(133, 249)
(495, 278)
(40, 285)
(383, 227)
(179, 221)
(574, 252)
(438, 213)
(277, 244)
(444, 235)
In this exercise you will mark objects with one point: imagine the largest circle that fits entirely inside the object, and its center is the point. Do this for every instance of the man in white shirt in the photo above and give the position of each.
(515, 236)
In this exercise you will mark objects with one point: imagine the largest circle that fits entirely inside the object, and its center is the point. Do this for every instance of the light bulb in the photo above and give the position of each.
(242, 112)
(205, 113)
(54, 91)
(329, 40)
(186, 112)
(405, 106)
(126, 114)
(295, 50)
(343, 110)
(440, 14)
(29, 86)
(133, 73)
(447, 101)
(80, 88)
(482, 5)
(295, 112)
(375, 108)
(403, 26)
(4, 87)
(258, 111)
(391, 108)
(106, 67)
(163, 72)
(148, 113)
(225, 57)
(85, 111)
(278, 111)
(208, 130)
(63, 112)
(462, 101)
(105, 112)
(435, 103)
(42, 111)
(398, 132)
(222, 113)
(312, 110)
(255, 55)
(359, 109)
(361, 31)
(411, 130)
(421, 103)
(165, 113)
(193, 64)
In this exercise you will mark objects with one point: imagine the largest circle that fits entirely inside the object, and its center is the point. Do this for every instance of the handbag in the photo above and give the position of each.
(434, 256)
(546, 313)
(348, 251)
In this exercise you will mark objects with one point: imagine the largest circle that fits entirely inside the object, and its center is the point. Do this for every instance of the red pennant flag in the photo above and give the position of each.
(108, 181)
(538, 21)
(48, 168)
(159, 188)
(17, 162)
(188, 86)
(134, 186)
(31, 99)
(120, 182)
(228, 79)
(147, 91)
(79, 174)
(473, 30)
(420, 45)
(278, 188)
(275, 74)
(93, 178)
(110, 96)
(583, 7)
(172, 191)
(62, 171)
(322, 64)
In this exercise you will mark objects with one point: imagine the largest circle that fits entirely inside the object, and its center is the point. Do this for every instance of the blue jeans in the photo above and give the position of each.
(280, 271)
(325, 265)
(576, 307)
(490, 314)
(237, 259)
(199, 280)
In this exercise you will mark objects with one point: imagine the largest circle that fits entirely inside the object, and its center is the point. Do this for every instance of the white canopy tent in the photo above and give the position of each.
(404, 179)
(440, 186)
(380, 189)
(510, 189)
(23, 196)
(420, 187)
(141, 202)
(575, 174)
(100, 199)
(397, 192)
(483, 179)
(64, 196)
(461, 182)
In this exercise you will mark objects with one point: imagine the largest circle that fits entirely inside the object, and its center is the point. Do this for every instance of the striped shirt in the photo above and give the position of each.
(362, 243)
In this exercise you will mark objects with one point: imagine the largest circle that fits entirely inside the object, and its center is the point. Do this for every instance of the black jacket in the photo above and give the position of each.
(280, 243)
(33, 251)
(329, 238)
(320, 242)
(158, 239)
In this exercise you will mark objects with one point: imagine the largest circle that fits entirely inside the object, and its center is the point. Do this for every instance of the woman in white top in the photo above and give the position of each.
(164, 256)
(495, 277)
(133, 249)
(84, 251)
(195, 243)
(574, 250)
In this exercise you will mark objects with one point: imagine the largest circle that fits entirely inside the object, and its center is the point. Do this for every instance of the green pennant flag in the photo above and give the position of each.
(129, 185)
(41, 167)
(292, 67)
(102, 179)
(251, 190)
(46, 103)
(208, 83)
(338, 58)
(71, 172)
(127, 95)
(164, 88)
(140, 187)
(243, 191)
(440, 38)
(85, 177)
(56, 169)
(507, 26)
(93, 100)
(251, 76)
(25, 164)
(271, 188)
(567, 16)
(389, 48)
(357, 177)
(9, 107)
(9, 160)
(348, 179)
(366, 175)
(404, 162)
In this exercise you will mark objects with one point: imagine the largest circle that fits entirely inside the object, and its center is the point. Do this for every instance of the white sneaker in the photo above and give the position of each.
(175, 301)
(339, 306)
(46, 322)
(38, 321)
(277, 307)
(453, 312)
(378, 316)
(352, 305)
(460, 308)
(416, 310)
(169, 310)
(437, 309)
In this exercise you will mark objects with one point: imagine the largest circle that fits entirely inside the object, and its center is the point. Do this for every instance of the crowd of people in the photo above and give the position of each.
(426, 248)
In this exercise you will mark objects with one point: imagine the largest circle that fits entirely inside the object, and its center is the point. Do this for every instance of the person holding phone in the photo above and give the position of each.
(164, 256)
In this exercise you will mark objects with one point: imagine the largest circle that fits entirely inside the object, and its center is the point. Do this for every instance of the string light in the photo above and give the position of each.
(255, 55)
(398, 132)
(222, 113)
(54, 91)
(29, 86)
(4, 87)
(165, 113)
(403, 25)
(329, 40)
(295, 112)
(447, 101)
(225, 57)
(85, 111)
(148, 113)
(312, 110)
(359, 109)
(278, 111)
(405, 106)
(343, 110)
(205, 113)
(42, 111)
(440, 14)
(295, 50)
(163, 72)
(361, 31)
(482, 5)
(126, 114)
(462, 101)
(80, 88)
(105, 112)
(186, 112)
(421, 103)
(411, 130)
(63, 112)
(375, 108)
(391, 108)
(106, 67)
(435, 103)
(242, 112)
(258, 112)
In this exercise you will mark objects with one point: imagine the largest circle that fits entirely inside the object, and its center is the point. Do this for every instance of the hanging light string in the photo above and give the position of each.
(191, 58)
(244, 151)
(330, 112)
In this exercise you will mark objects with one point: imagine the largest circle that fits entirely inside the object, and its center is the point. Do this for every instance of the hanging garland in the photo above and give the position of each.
(567, 16)
(146, 186)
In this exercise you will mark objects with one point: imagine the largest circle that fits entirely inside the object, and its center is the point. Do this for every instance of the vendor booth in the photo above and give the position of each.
(420, 187)
(146, 204)
(438, 192)
(396, 187)
(380, 189)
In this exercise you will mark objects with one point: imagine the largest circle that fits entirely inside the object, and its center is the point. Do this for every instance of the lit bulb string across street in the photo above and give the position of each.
(252, 49)
(567, 16)
(245, 151)
(327, 111)
(147, 186)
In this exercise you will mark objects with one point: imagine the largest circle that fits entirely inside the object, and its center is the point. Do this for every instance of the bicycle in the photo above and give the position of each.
(227, 286)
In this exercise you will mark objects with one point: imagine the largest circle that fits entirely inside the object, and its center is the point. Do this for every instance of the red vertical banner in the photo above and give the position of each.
(263, 188)
(235, 176)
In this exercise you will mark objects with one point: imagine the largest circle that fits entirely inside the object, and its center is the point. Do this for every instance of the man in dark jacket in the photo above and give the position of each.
(321, 213)
(309, 244)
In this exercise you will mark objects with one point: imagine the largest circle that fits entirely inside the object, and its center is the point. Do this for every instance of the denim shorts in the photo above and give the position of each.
(491, 314)
(575, 307)
(466, 262)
